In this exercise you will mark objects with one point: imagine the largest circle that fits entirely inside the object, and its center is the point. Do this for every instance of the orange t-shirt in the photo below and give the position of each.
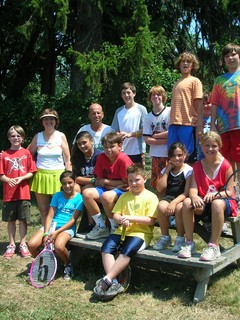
(183, 108)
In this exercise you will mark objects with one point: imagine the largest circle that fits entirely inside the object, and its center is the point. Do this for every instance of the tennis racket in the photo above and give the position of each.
(44, 266)
(236, 178)
(125, 276)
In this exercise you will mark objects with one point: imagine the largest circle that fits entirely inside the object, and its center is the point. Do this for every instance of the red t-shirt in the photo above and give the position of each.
(13, 164)
(205, 184)
(114, 171)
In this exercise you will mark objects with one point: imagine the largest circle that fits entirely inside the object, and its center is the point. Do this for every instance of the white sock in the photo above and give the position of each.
(99, 220)
(113, 224)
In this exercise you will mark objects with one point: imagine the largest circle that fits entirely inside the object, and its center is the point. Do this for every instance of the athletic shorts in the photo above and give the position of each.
(184, 134)
(138, 158)
(157, 163)
(101, 190)
(231, 145)
(130, 246)
(207, 212)
(16, 210)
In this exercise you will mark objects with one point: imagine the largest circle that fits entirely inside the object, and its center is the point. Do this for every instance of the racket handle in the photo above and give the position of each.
(123, 233)
(52, 227)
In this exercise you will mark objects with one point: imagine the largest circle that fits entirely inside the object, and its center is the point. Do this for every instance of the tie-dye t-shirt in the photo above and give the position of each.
(226, 96)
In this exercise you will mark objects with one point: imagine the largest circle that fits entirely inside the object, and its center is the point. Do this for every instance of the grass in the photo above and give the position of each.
(155, 292)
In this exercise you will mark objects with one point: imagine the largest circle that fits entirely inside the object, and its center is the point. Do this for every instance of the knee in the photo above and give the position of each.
(187, 204)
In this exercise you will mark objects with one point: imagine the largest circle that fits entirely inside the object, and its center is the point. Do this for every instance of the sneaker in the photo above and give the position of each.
(23, 249)
(107, 290)
(212, 252)
(187, 250)
(163, 243)
(97, 232)
(9, 252)
(179, 242)
(68, 272)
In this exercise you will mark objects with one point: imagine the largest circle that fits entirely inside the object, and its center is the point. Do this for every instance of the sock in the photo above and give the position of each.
(113, 224)
(99, 220)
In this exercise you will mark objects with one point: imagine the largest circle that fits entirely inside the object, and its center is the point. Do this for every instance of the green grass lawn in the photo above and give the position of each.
(154, 293)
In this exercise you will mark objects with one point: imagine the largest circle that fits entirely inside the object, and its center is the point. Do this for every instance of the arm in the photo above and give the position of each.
(213, 117)
(111, 184)
(127, 220)
(172, 205)
(199, 129)
(66, 153)
(14, 181)
(197, 201)
(33, 145)
(157, 138)
(162, 182)
(67, 225)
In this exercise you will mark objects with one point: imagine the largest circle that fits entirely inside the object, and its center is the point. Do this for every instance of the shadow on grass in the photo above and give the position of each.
(163, 282)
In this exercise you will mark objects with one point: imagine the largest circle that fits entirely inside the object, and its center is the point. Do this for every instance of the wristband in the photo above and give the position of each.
(45, 234)
(93, 180)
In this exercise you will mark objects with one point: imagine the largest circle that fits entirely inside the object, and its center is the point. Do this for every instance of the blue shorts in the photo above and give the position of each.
(101, 190)
(184, 134)
(69, 231)
(130, 246)
(206, 216)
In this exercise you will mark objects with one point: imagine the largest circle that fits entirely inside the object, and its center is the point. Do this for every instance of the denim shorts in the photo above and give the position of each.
(68, 231)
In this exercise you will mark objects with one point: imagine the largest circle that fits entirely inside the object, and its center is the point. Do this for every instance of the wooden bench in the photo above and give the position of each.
(201, 270)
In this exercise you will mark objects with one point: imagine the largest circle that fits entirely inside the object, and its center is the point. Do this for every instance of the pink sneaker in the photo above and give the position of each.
(9, 252)
(23, 249)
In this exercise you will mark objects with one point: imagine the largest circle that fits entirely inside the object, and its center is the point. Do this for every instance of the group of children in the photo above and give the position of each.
(114, 179)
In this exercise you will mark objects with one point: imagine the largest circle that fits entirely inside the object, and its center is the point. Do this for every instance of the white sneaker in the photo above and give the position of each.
(187, 250)
(212, 252)
(163, 243)
(97, 233)
(179, 242)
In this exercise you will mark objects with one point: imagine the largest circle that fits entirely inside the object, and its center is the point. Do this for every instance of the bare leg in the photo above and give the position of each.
(35, 242)
(188, 219)
(23, 231)
(43, 201)
(108, 200)
(163, 219)
(90, 198)
(179, 220)
(60, 247)
(218, 207)
(114, 267)
(11, 231)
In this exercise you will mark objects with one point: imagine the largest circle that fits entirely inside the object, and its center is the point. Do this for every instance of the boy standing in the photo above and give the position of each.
(186, 105)
(111, 181)
(225, 99)
(16, 168)
(155, 132)
(128, 122)
(135, 211)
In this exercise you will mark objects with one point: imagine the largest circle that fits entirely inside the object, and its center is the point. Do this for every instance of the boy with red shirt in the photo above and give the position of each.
(111, 181)
(16, 168)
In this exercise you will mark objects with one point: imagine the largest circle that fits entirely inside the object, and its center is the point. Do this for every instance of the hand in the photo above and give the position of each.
(209, 197)
(170, 209)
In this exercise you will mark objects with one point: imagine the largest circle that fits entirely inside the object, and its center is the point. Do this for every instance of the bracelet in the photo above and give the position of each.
(45, 234)
(137, 134)
(93, 180)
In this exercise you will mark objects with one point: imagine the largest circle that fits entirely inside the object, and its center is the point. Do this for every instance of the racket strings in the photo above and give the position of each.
(43, 269)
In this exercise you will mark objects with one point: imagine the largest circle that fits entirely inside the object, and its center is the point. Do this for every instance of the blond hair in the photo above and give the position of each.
(189, 56)
(212, 135)
(158, 90)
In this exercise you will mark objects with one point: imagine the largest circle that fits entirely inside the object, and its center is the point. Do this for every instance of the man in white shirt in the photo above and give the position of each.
(96, 128)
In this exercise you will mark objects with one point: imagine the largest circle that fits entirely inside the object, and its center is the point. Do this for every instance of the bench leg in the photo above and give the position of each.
(202, 277)
(236, 236)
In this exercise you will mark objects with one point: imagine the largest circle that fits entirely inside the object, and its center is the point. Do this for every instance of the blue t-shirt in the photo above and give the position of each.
(65, 208)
